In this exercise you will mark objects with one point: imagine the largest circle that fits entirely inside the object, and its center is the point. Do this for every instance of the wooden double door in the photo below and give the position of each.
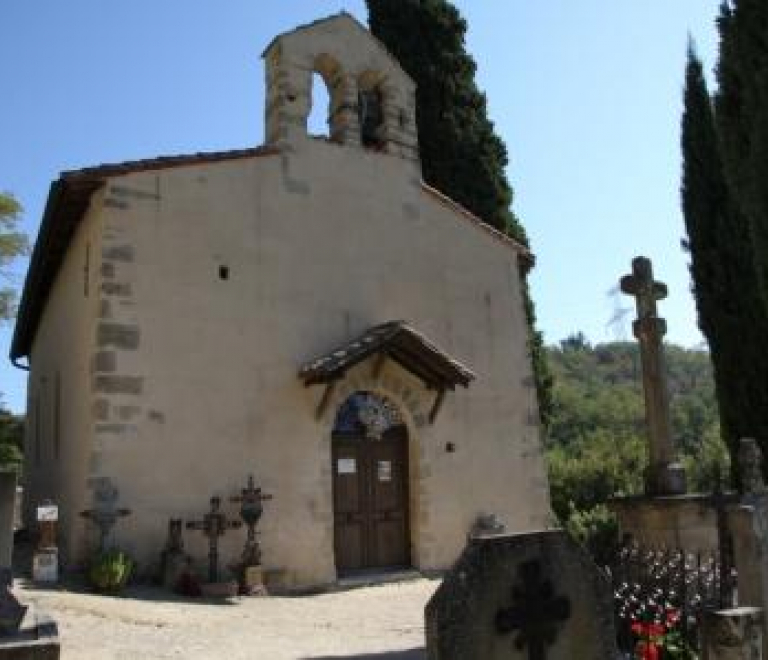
(370, 497)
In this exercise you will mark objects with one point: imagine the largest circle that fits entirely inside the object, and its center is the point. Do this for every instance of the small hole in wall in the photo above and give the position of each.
(450, 447)
(223, 272)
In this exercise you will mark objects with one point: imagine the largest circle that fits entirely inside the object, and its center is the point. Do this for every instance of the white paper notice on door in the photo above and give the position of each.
(346, 466)
(385, 470)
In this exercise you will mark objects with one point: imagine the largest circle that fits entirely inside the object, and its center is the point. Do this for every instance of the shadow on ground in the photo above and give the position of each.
(409, 654)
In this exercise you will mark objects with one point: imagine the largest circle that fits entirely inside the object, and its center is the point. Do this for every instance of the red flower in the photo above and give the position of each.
(647, 630)
(647, 651)
(673, 618)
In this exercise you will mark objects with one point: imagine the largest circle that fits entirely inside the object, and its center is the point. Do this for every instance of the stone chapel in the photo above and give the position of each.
(309, 312)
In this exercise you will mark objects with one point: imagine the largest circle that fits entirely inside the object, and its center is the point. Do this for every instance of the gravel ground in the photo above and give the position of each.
(383, 622)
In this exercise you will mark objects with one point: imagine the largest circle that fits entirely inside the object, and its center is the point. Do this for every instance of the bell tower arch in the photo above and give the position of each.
(372, 100)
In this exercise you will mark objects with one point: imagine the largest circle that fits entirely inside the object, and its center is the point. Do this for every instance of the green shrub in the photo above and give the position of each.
(597, 530)
(109, 571)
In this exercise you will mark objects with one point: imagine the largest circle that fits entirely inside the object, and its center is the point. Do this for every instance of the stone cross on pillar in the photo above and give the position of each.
(664, 475)
(214, 524)
(105, 512)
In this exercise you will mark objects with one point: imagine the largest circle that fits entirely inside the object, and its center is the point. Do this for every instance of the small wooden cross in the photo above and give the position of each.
(214, 524)
(535, 612)
(641, 285)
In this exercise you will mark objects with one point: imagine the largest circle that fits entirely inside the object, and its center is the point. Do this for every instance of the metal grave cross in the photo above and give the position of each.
(105, 513)
(250, 500)
(214, 524)
(535, 612)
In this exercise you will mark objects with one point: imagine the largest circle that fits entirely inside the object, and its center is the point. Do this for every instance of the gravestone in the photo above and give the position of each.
(7, 509)
(664, 475)
(735, 634)
(11, 610)
(175, 564)
(25, 633)
(533, 596)
(751, 469)
(45, 561)
(748, 524)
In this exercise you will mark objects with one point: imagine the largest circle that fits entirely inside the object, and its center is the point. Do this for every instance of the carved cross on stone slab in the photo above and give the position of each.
(664, 476)
(105, 512)
(535, 612)
(214, 524)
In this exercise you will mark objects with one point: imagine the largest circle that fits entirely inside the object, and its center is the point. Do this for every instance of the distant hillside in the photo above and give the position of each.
(596, 445)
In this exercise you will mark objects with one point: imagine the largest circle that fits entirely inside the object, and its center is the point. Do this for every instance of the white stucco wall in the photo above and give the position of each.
(320, 243)
(56, 452)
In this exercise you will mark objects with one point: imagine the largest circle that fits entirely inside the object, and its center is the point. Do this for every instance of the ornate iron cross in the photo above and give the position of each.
(535, 612)
(214, 524)
(251, 509)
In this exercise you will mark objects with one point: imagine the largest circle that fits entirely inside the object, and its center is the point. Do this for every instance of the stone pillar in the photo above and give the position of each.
(7, 514)
(664, 475)
(735, 634)
(748, 525)
(400, 136)
(344, 119)
(289, 91)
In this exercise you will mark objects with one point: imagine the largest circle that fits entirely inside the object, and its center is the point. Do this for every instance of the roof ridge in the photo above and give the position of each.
(162, 162)
(525, 253)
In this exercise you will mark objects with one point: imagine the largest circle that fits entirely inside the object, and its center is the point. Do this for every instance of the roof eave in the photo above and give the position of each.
(21, 341)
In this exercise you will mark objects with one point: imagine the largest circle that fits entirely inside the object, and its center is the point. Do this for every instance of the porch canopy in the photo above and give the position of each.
(394, 340)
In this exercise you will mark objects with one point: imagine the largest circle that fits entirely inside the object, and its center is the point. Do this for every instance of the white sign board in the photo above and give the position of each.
(346, 466)
(385, 470)
(47, 512)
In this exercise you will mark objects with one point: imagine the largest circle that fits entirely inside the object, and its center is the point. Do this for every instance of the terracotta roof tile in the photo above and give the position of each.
(399, 341)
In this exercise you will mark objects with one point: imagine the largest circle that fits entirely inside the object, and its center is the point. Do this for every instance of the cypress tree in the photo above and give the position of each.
(730, 310)
(461, 155)
(742, 117)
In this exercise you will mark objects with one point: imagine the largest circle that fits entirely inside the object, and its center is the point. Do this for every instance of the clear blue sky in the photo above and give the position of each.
(585, 93)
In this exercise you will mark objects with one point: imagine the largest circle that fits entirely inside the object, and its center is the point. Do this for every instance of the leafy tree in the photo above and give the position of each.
(461, 155)
(597, 445)
(11, 439)
(597, 441)
(13, 243)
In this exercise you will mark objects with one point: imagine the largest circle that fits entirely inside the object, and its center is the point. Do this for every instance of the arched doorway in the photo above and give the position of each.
(370, 485)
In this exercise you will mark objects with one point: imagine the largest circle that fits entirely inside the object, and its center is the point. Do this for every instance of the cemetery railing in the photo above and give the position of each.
(661, 594)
